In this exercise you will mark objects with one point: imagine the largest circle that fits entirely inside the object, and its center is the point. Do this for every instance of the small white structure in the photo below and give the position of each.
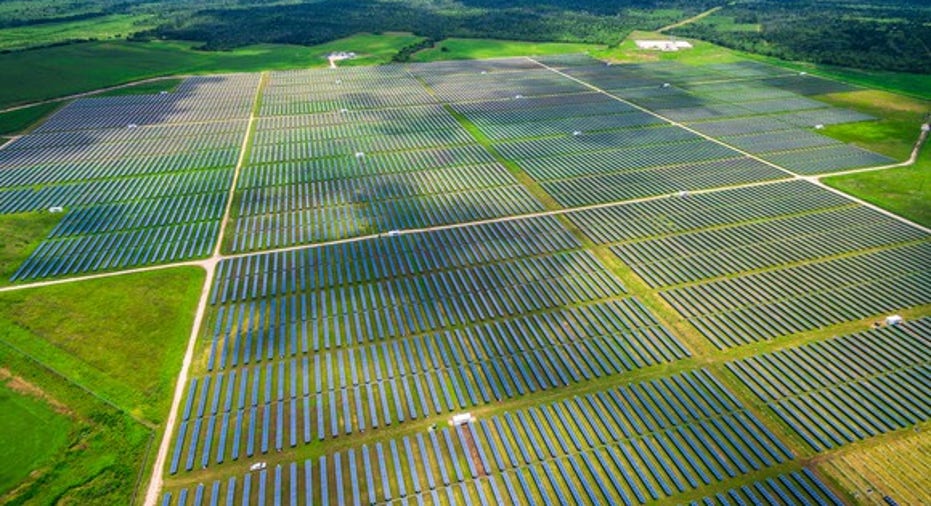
(360, 155)
(803, 73)
(394, 233)
(343, 111)
(163, 93)
(926, 127)
(132, 126)
(577, 133)
(683, 193)
(339, 81)
(339, 55)
(819, 126)
(484, 72)
(518, 96)
(461, 419)
(56, 209)
(666, 85)
(258, 466)
(893, 320)
(663, 45)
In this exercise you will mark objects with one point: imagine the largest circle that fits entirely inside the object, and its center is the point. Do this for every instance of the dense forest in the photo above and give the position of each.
(321, 21)
(874, 34)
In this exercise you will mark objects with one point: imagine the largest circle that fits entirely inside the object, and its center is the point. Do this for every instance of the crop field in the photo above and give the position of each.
(897, 470)
(757, 263)
(847, 388)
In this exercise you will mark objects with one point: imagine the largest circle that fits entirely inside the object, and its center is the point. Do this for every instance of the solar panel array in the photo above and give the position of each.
(340, 153)
(374, 333)
(340, 335)
(639, 442)
(709, 97)
(762, 262)
(848, 388)
(144, 179)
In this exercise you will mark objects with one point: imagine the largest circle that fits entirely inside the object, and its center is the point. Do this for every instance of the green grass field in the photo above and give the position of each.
(905, 191)
(107, 353)
(22, 234)
(896, 130)
(60, 71)
(121, 337)
(702, 52)
(15, 122)
(100, 28)
(144, 88)
(104, 453)
(33, 433)
(466, 49)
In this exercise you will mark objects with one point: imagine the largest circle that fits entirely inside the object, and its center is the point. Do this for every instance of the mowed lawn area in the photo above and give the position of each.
(33, 433)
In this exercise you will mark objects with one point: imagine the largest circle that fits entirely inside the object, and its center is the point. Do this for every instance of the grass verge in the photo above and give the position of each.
(905, 191)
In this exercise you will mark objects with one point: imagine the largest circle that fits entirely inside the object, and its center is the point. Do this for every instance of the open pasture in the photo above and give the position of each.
(635, 443)
(848, 388)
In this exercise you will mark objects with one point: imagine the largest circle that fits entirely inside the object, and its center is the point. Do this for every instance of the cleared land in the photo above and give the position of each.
(75, 329)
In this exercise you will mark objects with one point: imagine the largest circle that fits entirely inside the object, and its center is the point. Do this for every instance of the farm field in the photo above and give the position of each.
(631, 276)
